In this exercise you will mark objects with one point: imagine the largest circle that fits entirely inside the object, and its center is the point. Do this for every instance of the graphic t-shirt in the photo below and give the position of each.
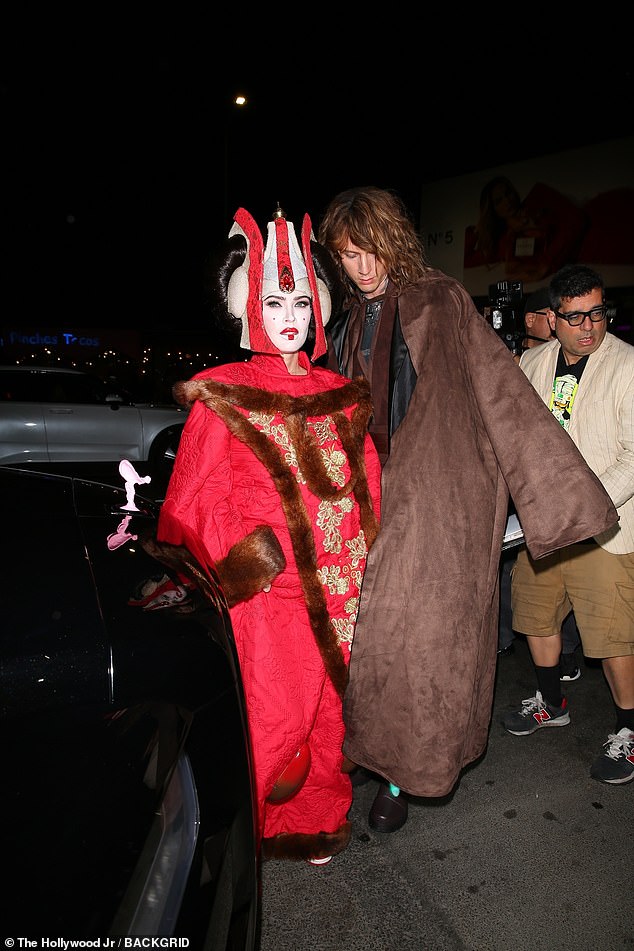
(565, 386)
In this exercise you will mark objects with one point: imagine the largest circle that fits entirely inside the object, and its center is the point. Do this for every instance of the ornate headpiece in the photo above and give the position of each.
(280, 266)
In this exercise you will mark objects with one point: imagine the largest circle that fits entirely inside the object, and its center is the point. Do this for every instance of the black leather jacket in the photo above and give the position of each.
(402, 377)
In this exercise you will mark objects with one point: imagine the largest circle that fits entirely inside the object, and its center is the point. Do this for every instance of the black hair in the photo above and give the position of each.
(221, 266)
(573, 280)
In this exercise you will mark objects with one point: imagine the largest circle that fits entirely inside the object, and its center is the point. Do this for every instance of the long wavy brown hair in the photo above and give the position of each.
(375, 220)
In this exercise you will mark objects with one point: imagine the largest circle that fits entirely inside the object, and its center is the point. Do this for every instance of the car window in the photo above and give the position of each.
(17, 387)
(60, 388)
(37, 387)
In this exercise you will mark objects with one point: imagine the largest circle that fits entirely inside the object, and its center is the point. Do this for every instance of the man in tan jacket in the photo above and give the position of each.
(536, 332)
(586, 377)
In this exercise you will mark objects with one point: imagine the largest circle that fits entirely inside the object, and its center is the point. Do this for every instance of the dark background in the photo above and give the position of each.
(125, 158)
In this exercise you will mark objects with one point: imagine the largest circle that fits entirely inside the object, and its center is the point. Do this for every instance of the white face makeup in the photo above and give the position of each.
(287, 320)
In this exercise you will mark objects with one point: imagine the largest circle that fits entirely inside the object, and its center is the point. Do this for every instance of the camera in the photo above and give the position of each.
(504, 313)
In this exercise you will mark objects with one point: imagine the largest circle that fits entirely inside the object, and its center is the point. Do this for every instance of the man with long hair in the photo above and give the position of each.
(445, 390)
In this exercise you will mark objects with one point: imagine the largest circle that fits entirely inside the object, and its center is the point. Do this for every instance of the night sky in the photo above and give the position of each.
(127, 159)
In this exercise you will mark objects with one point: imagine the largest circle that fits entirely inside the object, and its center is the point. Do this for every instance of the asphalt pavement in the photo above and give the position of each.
(527, 854)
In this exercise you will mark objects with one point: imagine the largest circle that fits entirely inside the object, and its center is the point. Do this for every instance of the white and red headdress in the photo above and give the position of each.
(278, 267)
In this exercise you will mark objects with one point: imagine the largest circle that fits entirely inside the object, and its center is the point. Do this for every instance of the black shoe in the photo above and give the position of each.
(506, 651)
(568, 667)
(388, 812)
(360, 776)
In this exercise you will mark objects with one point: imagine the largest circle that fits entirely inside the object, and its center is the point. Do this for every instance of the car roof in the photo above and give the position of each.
(30, 369)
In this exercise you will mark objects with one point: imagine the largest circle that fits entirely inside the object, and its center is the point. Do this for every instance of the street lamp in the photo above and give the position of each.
(238, 101)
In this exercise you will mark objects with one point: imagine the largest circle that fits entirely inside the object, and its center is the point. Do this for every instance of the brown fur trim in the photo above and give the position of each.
(256, 400)
(181, 392)
(182, 564)
(299, 846)
(251, 564)
(352, 434)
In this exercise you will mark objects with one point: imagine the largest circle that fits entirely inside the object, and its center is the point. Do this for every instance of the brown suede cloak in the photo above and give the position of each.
(418, 703)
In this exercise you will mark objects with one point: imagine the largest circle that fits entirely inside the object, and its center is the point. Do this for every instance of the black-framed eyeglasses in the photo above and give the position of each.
(577, 317)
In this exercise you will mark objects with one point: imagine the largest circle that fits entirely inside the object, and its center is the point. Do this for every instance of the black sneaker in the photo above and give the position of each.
(535, 714)
(568, 667)
(616, 765)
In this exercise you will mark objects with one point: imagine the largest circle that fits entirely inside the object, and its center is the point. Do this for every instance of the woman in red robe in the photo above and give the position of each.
(278, 479)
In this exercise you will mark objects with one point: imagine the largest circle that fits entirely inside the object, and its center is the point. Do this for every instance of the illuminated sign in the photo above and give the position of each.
(51, 340)
(72, 342)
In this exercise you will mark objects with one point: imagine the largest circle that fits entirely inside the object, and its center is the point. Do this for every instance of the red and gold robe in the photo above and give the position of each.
(264, 448)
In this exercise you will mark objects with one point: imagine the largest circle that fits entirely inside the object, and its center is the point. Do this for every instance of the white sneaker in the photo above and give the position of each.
(616, 765)
(324, 861)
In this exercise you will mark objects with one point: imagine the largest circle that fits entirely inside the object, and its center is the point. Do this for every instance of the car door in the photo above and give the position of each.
(22, 426)
(83, 425)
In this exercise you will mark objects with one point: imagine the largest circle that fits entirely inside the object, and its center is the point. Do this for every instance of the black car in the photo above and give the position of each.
(127, 785)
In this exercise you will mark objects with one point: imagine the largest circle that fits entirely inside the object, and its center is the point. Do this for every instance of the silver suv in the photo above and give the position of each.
(56, 415)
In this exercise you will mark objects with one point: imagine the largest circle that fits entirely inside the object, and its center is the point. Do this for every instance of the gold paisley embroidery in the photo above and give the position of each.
(280, 437)
(330, 577)
(334, 461)
(329, 520)
(356, 577)
(358, 548)
(344, 629)
(261, 420)
(351, 607)
(330, 515)
(338, 579)
(322, 430)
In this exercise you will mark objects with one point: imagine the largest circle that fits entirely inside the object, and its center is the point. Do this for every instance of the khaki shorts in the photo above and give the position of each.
(597, 585)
